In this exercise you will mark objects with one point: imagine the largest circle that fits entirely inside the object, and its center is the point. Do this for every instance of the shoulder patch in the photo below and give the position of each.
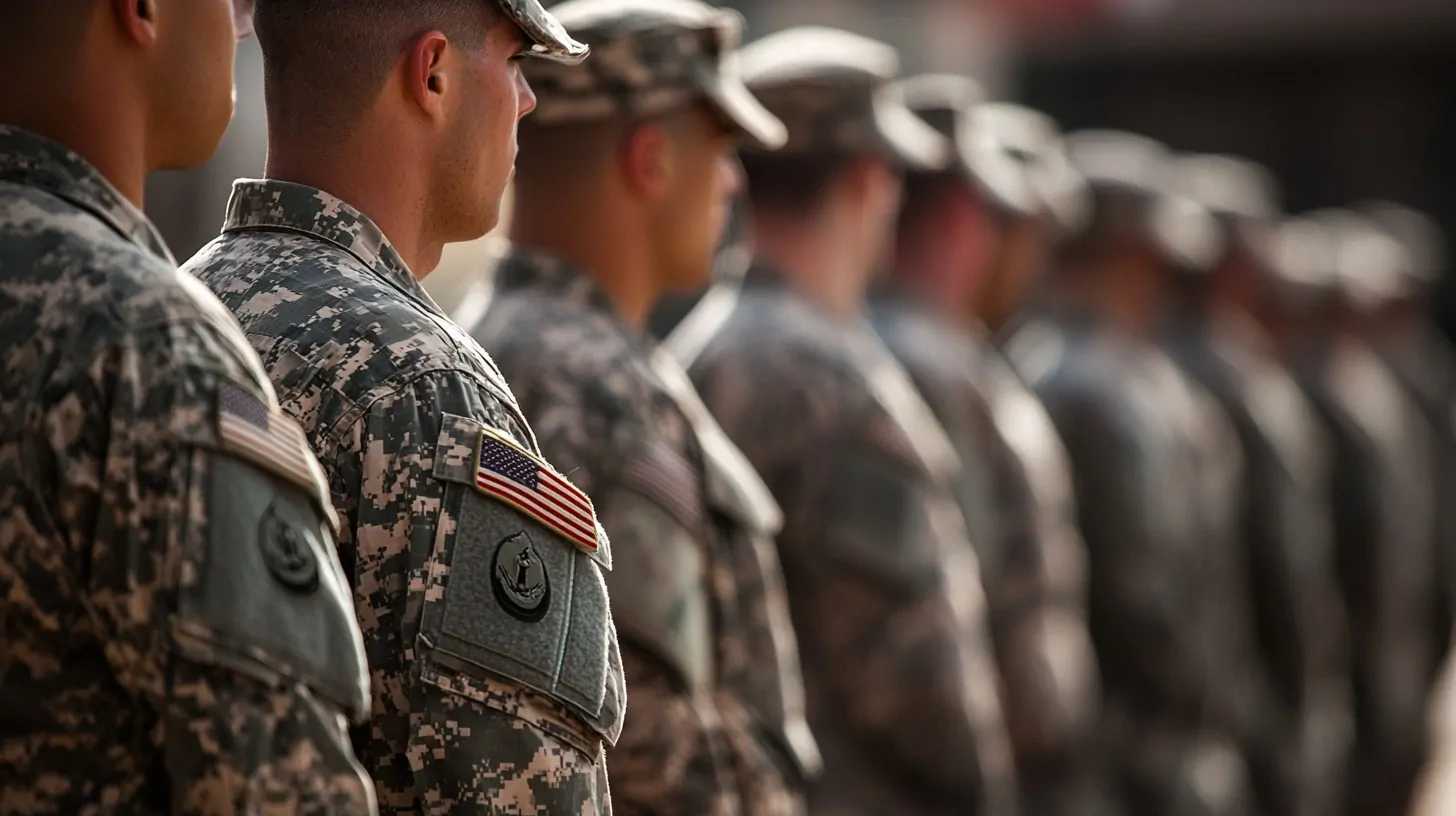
(247, 427)
(525, 481)
(663, 475)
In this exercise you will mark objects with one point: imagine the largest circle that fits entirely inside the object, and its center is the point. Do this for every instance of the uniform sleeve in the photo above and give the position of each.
(891, 623)
(486, 632)
(198, 622)
(1139, 617)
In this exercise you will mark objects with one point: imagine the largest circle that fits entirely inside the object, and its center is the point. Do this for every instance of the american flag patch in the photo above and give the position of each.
(248, 428)
(505, 470)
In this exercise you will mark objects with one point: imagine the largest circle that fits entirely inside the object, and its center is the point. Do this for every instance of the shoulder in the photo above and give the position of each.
(586, 386)
(327, 325)
(779, 341)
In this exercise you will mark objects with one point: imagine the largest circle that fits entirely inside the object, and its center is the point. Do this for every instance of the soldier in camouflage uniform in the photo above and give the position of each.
(1424, 361)
(175, 631)
(1017, 497)
(882, 579)
(477, 568)
(1284, 514)
(1381, 493)
(1152, 462)
(717, 723)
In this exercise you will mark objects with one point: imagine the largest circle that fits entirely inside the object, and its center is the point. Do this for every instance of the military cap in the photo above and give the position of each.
(1229, 187)
(1368, 265)
(548, 38)
(648, 57)
(833, 90)
(1008, 152)
(1419, 234)
(1134, 188)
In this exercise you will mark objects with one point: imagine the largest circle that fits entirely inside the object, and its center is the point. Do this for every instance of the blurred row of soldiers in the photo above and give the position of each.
(994, 471)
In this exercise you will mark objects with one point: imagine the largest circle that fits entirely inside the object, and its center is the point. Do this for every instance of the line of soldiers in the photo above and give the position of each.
(993, 472)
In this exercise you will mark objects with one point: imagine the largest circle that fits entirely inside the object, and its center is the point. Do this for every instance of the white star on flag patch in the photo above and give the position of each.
(519, 478)
(248, 428)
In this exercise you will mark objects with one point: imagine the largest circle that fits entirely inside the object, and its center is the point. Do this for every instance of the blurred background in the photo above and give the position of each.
(1344, 99)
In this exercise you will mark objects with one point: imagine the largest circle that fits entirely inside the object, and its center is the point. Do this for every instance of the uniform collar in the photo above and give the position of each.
(270, 205)
(532, 270)
(35, 161)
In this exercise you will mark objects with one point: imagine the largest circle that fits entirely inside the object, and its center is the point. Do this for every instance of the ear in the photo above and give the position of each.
(428, 77)
(136, 20)
(648, 160)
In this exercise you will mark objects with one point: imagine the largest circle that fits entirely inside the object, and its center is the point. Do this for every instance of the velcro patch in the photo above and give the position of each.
(663, 475)
(249, 428)
(525, 481)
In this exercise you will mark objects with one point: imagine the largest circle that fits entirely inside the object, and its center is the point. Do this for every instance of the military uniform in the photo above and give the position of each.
(1284, 513)
(1016, 493)
(477, 569)
(177, 635)
(882, 579)
(1383, 515)
(717, 723)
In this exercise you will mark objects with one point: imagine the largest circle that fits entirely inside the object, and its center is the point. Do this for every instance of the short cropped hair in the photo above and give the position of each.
(325, 61)
(791, 183)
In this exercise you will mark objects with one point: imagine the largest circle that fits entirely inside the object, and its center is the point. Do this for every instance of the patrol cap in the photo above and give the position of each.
(1370, 266)
(832, 90)
(1421, 236)
(1242, 195)
(649, 56)
(548, 38)
(1133, 185)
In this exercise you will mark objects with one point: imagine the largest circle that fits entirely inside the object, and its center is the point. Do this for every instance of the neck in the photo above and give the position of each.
(104, 128)
(606, 241)
(814, 255)
(372, 175)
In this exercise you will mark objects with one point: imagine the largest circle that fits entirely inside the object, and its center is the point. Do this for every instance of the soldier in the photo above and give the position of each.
(1380, 491)
(622, 186)
(1284, 513)
(177, 630)
(882, 581)
(1153, 475)
(1424, 362)
(476, 566)
(953, 226)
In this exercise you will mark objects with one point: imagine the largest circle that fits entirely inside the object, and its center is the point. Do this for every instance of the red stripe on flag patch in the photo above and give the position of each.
(521, 479)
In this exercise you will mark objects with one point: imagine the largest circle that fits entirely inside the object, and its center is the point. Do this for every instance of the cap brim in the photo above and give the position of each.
(742, 109)
(549, 39)
(908, 139)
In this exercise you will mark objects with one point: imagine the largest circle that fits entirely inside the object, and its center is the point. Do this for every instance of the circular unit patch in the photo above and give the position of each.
(518, 576)
(288, 553)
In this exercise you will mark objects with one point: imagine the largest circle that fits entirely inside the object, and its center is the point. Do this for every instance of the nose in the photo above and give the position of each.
(526, 97)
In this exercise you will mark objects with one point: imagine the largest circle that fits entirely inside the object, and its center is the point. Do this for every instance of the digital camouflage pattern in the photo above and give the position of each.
(717, 699)
(882, 580)
(832, 91)
(1018, 505)
(1164, 593)
(1298, 752)
(495, 685)
(650, 57)
(132, 680)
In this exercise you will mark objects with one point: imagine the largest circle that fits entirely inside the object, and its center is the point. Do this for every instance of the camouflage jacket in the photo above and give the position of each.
(476, 568)
(882, 580)
(1284, 531)
(175, 631)
(1032, 560)
(1167, 604)
(1381, 494)
(697, 593)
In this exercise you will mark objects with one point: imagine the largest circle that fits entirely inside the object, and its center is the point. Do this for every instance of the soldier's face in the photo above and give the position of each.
(479, 154)
(193, 78)
(693, 214)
